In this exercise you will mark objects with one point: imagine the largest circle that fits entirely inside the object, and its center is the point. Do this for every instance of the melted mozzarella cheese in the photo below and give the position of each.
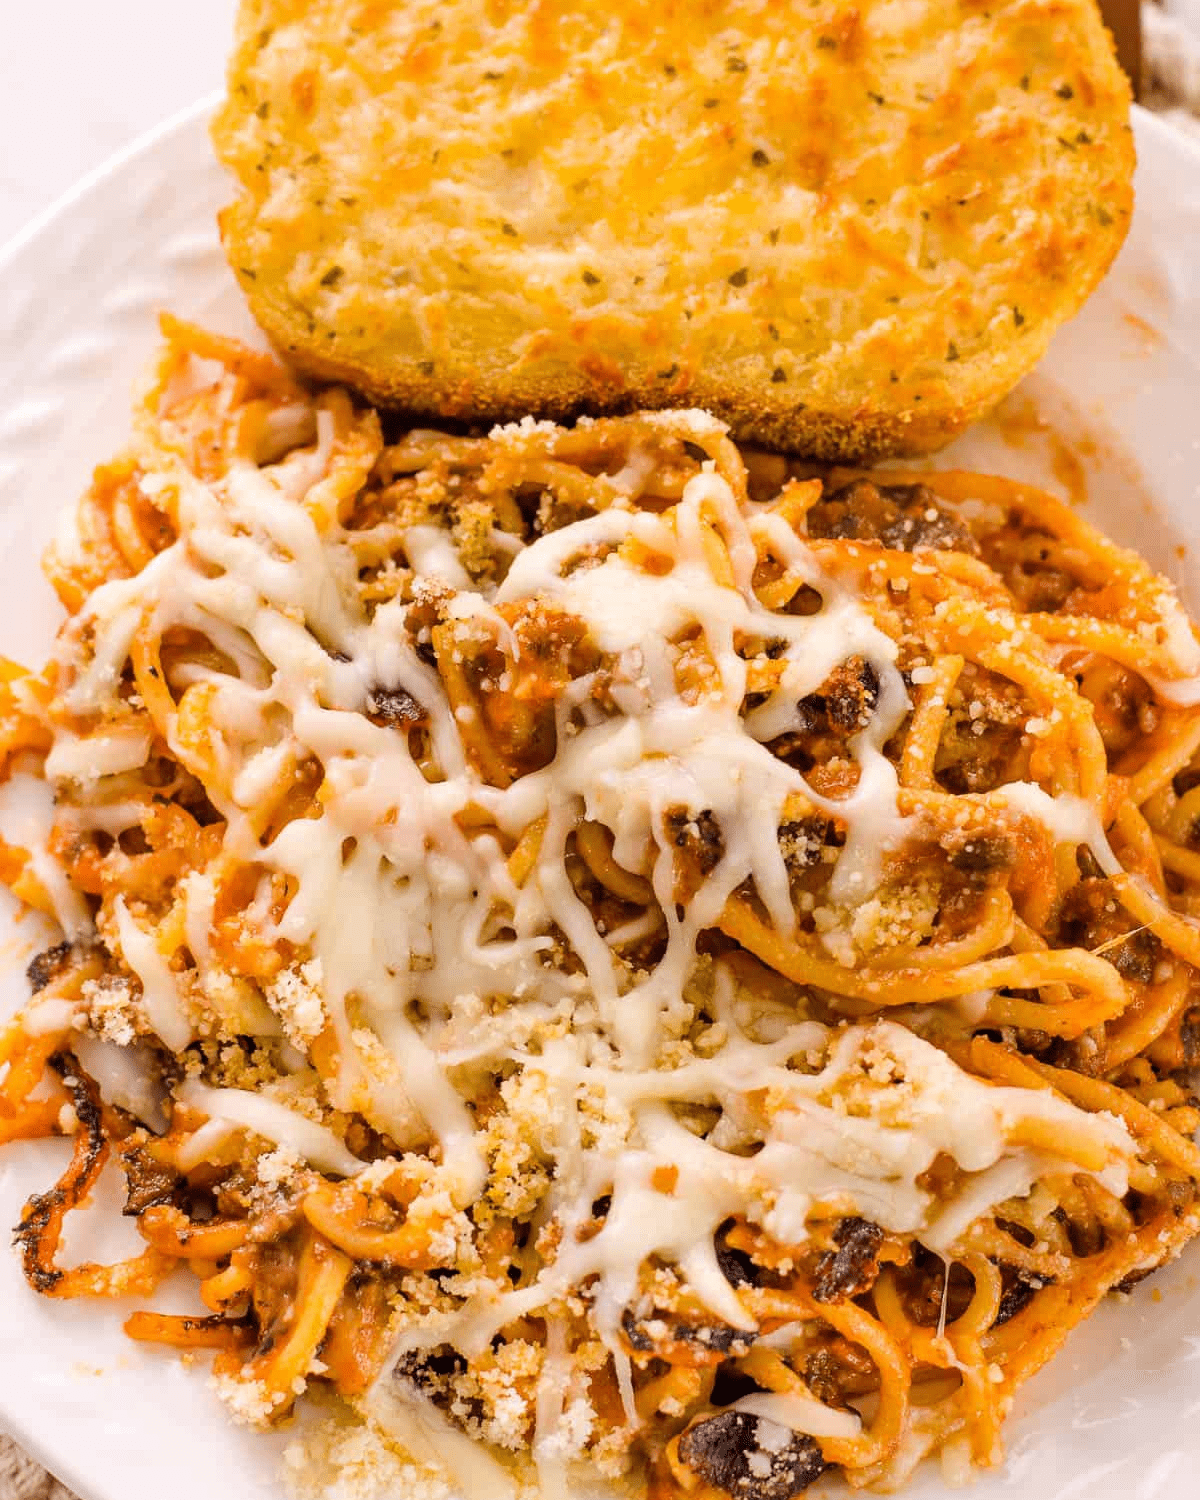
(274, 1122)
(161, 1001)
(1067, 819)
(410, 917)
(800, 1414)
(96, 755)
(409, 1417)
(27, 814)
(126, 1077)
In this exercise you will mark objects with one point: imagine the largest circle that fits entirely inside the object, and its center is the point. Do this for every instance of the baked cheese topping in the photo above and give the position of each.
(617, 946)
(409, 919)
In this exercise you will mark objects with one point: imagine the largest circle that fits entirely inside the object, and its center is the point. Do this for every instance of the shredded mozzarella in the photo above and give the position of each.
(274, 1122)
(801, 1414)
(403, 916)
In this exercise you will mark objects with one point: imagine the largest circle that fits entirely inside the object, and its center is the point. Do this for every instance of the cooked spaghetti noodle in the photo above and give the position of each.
(600, 948)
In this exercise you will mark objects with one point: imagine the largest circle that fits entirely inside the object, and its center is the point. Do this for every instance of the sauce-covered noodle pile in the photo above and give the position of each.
(604, 949)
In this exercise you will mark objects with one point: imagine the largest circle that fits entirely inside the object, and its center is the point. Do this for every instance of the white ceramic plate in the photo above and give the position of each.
(1118, 1414)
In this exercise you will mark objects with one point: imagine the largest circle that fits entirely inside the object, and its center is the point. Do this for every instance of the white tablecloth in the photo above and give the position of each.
(79, 79)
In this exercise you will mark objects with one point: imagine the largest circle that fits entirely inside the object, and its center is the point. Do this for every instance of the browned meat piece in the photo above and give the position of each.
(979, 854)
(701, 844)
(736, 1266)
(147, 1181)
(727, 1452)
(394, 708)
(47, 966)
(1018, 1290)
(1189, 1037)
(429, 1375)
(803, 841)
(927, 1282)
(1027, 560)
(1183, 781)
(901, 517)
(682, 1342)
(1046, 590)
(698, 834)
(845, 700)
(977, 762)
(851, 1269)
(1126, 711)
(1087, 1237)
(839, 1369)
(1132, 1279)
(829, 718)
(822, 1375)
(1091, 919)
(429, 1369)
(1138, 956)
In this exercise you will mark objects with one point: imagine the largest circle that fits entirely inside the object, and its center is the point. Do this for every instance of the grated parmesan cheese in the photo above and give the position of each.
(112, 1009)
(342, 1458)
(249, 1401)
(295, 997)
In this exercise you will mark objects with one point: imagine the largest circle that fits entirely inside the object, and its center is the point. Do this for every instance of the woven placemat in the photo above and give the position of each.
(1171, 66)
(22, 1479)
(1172, 87)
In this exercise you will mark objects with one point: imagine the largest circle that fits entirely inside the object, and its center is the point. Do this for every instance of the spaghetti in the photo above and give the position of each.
(601, 948)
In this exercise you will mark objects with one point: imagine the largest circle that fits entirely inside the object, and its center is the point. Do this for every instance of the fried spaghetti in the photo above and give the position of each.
(601, 948)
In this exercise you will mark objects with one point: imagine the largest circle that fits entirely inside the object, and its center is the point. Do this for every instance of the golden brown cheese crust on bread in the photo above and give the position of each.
(846, 229)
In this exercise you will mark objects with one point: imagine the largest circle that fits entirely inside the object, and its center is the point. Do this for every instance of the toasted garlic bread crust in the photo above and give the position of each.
(846, 229)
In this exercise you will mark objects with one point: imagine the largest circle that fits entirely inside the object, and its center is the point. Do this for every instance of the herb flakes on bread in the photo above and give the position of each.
(848, 230)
